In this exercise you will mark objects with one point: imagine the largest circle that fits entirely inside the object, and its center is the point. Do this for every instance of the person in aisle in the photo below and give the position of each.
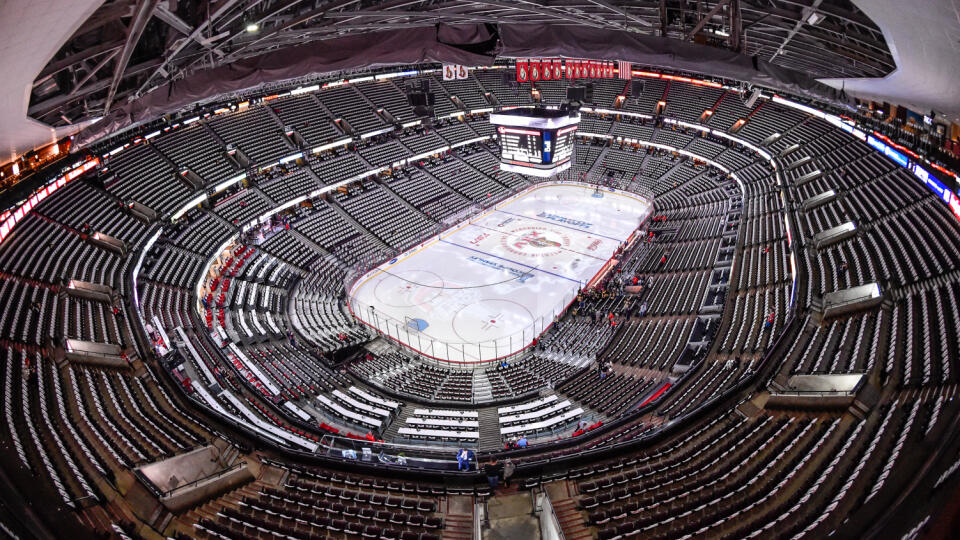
(492, 470)
(508, 469)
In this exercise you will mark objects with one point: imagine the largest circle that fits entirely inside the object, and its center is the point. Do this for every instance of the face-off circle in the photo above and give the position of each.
(408, 288)
(490, 318)
(534, 242)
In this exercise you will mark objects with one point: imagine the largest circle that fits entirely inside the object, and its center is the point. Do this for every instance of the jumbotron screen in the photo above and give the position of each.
(536, 142)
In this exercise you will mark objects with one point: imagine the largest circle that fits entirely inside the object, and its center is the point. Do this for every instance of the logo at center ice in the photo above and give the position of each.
(534, 241)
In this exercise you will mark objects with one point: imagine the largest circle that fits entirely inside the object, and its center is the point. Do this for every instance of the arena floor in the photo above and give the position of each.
(486, 287)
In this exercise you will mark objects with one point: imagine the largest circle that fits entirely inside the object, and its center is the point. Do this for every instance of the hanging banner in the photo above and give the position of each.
(523, 73)
(455, 71)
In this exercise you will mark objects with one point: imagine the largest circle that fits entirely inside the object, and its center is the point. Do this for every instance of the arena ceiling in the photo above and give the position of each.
(84, 58)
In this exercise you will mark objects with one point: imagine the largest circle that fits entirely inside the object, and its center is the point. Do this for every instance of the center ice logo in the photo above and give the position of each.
(534, 241)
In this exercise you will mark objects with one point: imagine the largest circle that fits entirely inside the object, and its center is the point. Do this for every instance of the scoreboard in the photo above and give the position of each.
(536, 142)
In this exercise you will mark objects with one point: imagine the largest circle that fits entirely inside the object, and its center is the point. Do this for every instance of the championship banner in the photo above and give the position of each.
(546, 70)
(453, 72)
(557, 69)
(523, 73)
(593, 70)
(534, 70)
(609, 70)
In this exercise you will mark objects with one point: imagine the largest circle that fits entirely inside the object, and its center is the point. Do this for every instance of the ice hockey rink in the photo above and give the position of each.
(485, 288)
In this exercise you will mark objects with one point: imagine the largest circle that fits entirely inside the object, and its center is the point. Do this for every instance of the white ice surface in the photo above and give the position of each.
(487, 287)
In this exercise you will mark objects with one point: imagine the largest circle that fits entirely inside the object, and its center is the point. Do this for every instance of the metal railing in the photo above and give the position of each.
(398, 454)
(453, 353)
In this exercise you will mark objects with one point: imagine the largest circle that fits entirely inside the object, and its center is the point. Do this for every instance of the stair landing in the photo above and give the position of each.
(511, 516)
(458, 518)
(571, 519)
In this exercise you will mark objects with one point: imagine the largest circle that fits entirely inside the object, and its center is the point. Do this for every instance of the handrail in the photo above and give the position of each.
(198, 481)
(546, 507)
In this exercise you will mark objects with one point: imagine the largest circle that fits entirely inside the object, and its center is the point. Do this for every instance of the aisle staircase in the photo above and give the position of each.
(489, 429)
(403, 202)
(392, 431)
(458, 518)
(511, 516)
(482, 390)
(358, 226)
(571, 519)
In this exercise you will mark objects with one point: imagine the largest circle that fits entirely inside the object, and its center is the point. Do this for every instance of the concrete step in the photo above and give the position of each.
(358, 226)
(403, 202)
(481, 385)
(398, 422)
(571, 519)
(458, 518)
(511, 516)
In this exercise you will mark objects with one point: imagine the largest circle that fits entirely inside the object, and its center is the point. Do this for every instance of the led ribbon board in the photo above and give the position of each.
(535, 142)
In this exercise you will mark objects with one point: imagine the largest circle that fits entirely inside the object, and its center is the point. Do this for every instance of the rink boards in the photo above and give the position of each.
(485, 288)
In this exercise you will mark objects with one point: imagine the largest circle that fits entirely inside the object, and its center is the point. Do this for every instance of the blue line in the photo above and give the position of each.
(510, 261)
(558, 224)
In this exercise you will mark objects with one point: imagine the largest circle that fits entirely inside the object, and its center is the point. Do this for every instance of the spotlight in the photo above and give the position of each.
(252, 27)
